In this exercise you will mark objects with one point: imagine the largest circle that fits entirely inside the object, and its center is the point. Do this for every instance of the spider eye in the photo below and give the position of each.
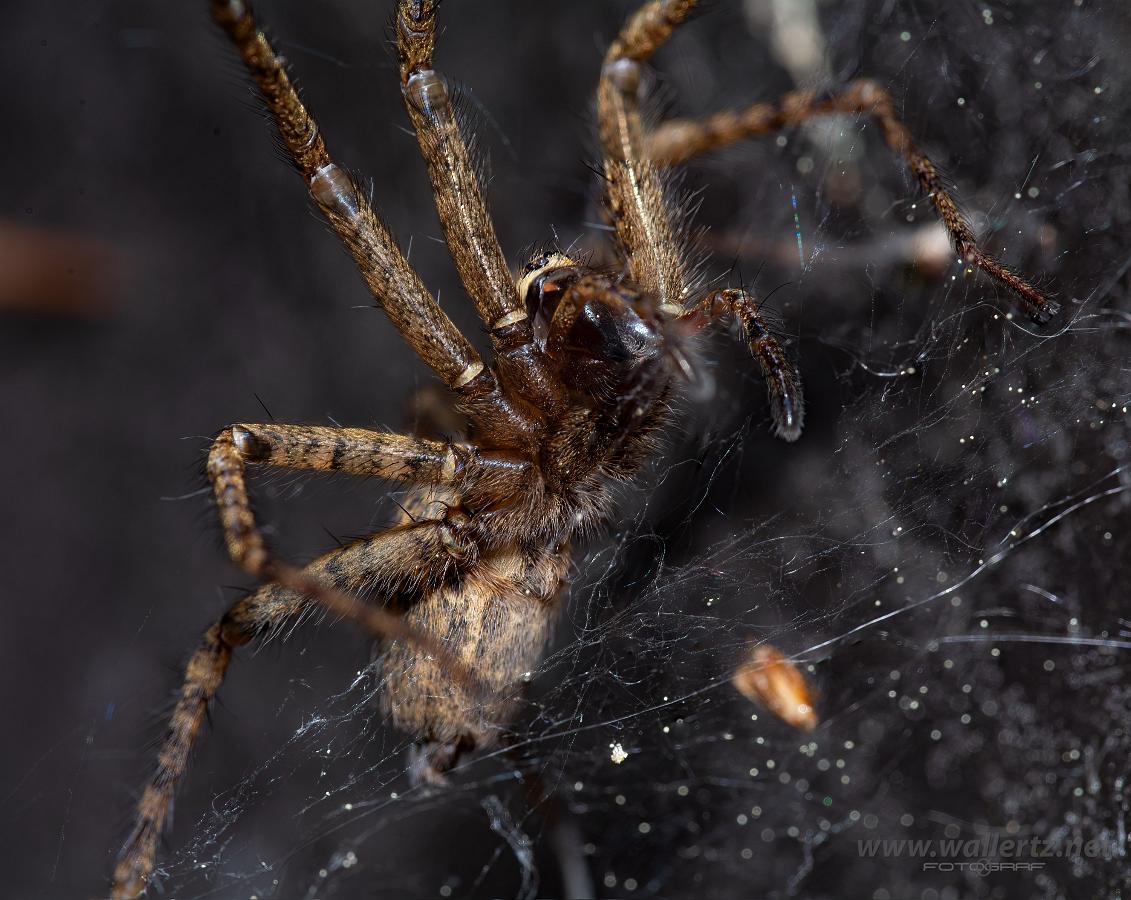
(538, 262)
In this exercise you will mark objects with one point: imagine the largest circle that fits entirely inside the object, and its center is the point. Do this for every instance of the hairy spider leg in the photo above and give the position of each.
(388, 274)
(783, 384)
(468, 229)
(401, 559)
(382, 564)
(679, 140)
(634, 191)
(639, 210)
(355, 451)
(395, 457)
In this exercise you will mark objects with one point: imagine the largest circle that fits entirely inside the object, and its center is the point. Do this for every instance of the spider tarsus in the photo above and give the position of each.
(787, 405)
(1040, 307)
(1044, 310)
(788, 421)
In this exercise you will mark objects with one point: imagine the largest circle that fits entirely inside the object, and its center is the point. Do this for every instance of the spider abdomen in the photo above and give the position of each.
(496, 617)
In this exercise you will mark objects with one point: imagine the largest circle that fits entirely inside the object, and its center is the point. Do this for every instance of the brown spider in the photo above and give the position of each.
(584, 362)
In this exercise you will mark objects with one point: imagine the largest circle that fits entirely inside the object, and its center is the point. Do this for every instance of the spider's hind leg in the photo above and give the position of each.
(417, 461)
(679, 140)
(203, 676)
(384, 566)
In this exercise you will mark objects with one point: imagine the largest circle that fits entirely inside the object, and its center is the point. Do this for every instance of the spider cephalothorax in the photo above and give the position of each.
(463, 590)
(611, 352)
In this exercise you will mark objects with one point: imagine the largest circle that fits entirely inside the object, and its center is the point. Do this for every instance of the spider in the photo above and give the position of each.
(465, 587)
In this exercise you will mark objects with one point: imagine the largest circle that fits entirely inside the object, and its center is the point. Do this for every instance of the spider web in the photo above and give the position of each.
(940, 553)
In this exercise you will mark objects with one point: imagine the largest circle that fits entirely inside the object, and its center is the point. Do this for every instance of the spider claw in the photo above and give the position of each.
(787, 424)
(787, 431)
(1042, 315)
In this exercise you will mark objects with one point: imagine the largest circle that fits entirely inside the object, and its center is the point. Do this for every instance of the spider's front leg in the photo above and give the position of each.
(393, 282)
(783, 384)
(679, 140)
(634, 192)
(636, 203)
(468, 229)
(467, 225)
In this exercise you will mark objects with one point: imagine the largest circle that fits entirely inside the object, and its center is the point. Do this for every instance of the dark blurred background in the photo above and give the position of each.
(163, 276)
